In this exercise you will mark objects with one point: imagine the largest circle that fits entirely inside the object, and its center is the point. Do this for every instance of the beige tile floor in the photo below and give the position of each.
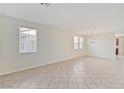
(79, 73)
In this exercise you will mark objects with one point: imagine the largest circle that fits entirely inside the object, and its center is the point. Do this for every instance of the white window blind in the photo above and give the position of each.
(76, 41)
(81, 42)
(27, 40)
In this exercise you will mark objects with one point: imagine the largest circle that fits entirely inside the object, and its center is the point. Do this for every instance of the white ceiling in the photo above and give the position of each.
(80, 17)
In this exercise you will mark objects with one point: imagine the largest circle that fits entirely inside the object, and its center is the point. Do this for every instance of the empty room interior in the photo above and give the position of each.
(61, 46)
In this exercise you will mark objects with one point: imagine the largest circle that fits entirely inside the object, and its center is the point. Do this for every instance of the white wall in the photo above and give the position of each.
(54, 44)
(104, 45)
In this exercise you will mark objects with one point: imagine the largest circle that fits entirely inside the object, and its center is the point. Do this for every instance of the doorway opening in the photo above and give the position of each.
(119, 49)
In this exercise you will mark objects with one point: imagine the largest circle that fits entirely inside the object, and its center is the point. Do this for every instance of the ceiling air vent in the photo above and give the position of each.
(45, 4)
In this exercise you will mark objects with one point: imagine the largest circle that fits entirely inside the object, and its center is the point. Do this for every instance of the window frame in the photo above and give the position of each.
(79, 43)
(75, 43)
(36, 36)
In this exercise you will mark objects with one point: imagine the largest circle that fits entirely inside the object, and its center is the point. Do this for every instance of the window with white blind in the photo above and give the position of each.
(78, 42)
(27, 40)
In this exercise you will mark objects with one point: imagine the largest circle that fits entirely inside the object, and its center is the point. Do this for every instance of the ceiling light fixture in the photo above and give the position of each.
(45, 4)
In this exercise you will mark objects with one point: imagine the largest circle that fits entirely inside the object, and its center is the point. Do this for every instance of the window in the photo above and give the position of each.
(27, 40)
(81, 42)
(78, 42)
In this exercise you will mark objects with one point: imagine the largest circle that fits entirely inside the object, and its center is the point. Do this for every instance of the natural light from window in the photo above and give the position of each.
(78, 42)
(27, 40)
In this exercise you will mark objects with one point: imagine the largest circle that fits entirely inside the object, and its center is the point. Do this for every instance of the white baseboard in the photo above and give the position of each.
(112, 58)
(39, 65)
